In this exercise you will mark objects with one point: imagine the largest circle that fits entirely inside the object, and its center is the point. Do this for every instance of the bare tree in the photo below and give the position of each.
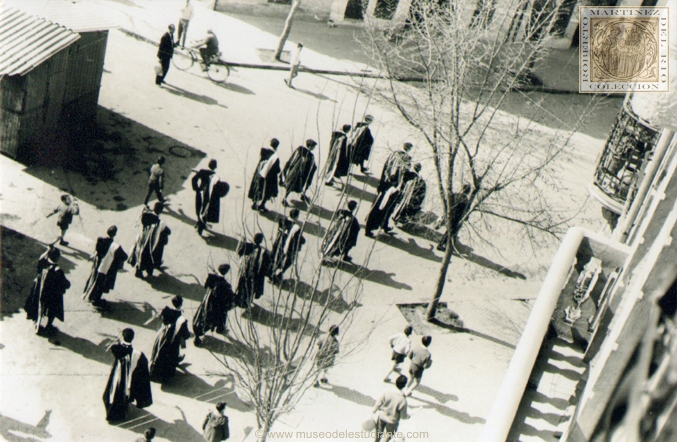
(287, 29)
(470, 58)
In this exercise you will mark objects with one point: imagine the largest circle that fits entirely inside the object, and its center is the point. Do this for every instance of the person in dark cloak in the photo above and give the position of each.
(146, 255)
(395, 166)
(413, 195)
(108, 258)
(202, 183)
(254, 267)
(299, 171)
(338, 163)
(383, 207)
(264, 182)
(46, 297)
(460, 204)
(342, 234)
(360, 143)
(288, 243)
(168, 343)
(213, 310)
(129, 379)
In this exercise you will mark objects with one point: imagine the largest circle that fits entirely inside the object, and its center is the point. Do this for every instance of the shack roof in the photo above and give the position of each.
(27, 40)
(78, 16)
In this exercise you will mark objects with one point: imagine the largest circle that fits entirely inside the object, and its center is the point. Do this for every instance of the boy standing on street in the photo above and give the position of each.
(66, 210)
(294, 64)
(215, 426)
(389, 409)
(186, 16)
(401, 346)
(420, 360)
(156, 181)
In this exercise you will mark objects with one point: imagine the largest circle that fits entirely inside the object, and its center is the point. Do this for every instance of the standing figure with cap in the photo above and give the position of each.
(254, 267)
(108, 258)
(287, 245)
(156, 181)
(46, 297)
(171, 337)
(215, 425)
(342, 234)
(264, 182)
(212, 313)
(395, 166)
(412, 197)
(129, 379)
(360, 144)
(164, 54)
(65, 210)
(294, 64)
(389, 194)
(338, 163)
(299, 171)
(146, 255)
(325, 358)
(209, 190)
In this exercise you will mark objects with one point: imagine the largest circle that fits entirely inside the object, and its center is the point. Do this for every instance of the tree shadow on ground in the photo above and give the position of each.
(192, 386)
(472, 332)
(138, 421)
(360, 194)
(450, 412)
(466, 253)
(272, 319)
(175, 90)
(133, 313)
(352, 395)
(410, 247)
(39, 430)
(20, 255)
(83, 347)
(439, 396)
(331, 297)
(166, 283)
(108, 166)
(377, 276)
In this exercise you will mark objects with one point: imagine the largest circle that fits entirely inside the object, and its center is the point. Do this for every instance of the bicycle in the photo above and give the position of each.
(216, 68)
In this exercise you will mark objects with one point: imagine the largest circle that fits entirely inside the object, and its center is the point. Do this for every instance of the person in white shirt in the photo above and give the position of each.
(389, 409)
(186, 17)
(294, 64)
(401, 346)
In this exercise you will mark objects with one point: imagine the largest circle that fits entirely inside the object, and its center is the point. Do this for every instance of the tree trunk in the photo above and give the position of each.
(263, 432)
(432, 307)
(287, 29)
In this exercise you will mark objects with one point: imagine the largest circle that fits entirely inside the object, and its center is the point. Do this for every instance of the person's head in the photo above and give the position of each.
(274, 143)
(54, 255)
(212, 164)
(310, 144)
(210, 32)
(346, 128)
(401, 382)
(334, 330)
(258, 238)
(161, 160)
(352, 205)
(299, 46)
(408, 330)
(368, 119)
(407, 146)
(177, 301)
(149, 434)
(112, 231)
(426, 340)
(171, 29)
(128, 335)
(66, 199)
(157, 208)
(294, 214)
(417, 167)
(220, 407)
(224, 268)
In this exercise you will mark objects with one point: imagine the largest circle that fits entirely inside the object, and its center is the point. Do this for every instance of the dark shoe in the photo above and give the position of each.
(387, 380)
(263, 210)
(63, 243)
(305, 199)
(329, 183)
(387, 229)
(369, 235)
(181, 358)
(441, 247)
(347, 258)
(285, 203)
(365, 170)
(317, 384)
(255, 206)
(197, 341)
(138, 274)
(324, 380)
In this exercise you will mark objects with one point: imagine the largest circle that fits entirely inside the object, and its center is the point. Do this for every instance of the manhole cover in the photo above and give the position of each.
(179, 151)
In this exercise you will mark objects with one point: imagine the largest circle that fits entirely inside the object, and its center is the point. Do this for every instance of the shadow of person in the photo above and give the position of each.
(490, 338)
(439, 396)
(331, 297)
(421, 231)
(277, 320)
(410, 247)
(377, 276)
(175, 90)
(83, 347)
(39, 430)
(194, 387)
(466, 253)
(134, 313)
(236, 88)
(232, 348)
(360, 194)
(369, 180)
(179, 215)
(352, 395)
(315, 95)
(166, 283)
(449, 412)
(180, 430)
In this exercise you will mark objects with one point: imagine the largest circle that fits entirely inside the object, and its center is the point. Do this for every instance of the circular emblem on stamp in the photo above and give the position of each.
(624, 50)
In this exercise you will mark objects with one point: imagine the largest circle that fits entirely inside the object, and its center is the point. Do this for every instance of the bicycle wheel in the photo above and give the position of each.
(183, 59)
(218, 72)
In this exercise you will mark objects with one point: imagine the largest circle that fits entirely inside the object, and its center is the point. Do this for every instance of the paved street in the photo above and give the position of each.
(60, 380)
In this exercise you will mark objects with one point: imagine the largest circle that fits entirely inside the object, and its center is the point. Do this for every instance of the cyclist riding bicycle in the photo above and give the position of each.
(210, 49)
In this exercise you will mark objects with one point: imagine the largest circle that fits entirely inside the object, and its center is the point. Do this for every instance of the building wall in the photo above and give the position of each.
(309, 9)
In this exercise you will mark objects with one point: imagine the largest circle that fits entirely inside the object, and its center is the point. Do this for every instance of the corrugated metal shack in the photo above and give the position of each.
(50, 75)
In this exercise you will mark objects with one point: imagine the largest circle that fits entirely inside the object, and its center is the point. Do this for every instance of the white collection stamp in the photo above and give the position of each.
(624, 49)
